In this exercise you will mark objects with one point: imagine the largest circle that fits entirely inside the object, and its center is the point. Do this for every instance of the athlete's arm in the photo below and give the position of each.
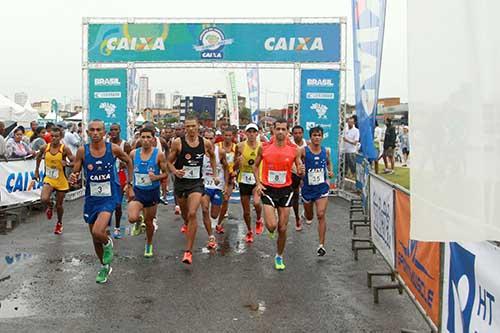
(225, 167)
(120, 154)
(162, 163)
(258, 185)
(175, 150)
(238, 156)
(329, 164)
(77, 165)
(301, 170)
(68, 154)
(209, 148)
(38, 161)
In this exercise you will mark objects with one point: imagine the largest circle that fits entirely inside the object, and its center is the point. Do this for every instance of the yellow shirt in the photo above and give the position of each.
(54, 170)
(249, 155)
(229, 155)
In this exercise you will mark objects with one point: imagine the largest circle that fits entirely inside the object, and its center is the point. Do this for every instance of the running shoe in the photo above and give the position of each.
(249, 237)
(58, 229)
(155, 224)
(49, 213)
(212, 244)
(148, 250)
(219, 229)
(188, 257)
(177, 210)
(278, 263)
(184, 228)
(321, 251)
(272, 235)
(298, 226)
(117, 234)
(136, 229)
(107, 255)
(102, 276)
(143, 225)
(308, 222)
(259, 226)
(164, 200)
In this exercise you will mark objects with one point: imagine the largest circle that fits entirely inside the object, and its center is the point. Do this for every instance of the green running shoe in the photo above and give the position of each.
(136, 229)
(102, 276)
(148, 250)
(278, 263)
(107, 255)
(143, 225)
(272, 235)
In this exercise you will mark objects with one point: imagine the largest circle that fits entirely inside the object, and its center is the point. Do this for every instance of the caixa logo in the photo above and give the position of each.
(23, 181)
(211, 43)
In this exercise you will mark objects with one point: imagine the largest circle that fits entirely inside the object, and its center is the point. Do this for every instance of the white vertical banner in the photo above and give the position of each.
(454, 104)
(471, 288)
(382, 218)
(232, 100)
(253, 93)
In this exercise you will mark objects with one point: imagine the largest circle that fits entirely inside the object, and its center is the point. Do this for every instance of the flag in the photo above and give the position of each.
(232, 100)
(368, 38)
(253, 93)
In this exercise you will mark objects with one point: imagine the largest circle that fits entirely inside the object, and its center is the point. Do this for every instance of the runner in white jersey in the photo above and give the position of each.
(298, 140)
(212, 199)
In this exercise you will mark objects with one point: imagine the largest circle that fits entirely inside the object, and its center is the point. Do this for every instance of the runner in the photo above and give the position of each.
(185, 160)
(54, 154)
(148, 162)
(315, 188)
(246, 153)
(275, 184)
(211, 201)
(99, 161)
(298, 140)
(179, 132)
(114, 137)
(229, 147)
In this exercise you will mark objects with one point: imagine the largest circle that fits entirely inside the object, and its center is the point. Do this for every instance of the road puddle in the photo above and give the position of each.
(14, 308)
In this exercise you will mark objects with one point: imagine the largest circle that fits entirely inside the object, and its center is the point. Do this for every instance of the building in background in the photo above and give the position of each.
(143, 93)
(20, 98)
(43, 107)
(160, 100)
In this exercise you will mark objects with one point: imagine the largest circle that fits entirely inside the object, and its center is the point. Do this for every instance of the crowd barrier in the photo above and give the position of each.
(454, 285)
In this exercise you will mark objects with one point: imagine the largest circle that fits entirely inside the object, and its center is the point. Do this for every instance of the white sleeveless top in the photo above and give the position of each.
(208, 175)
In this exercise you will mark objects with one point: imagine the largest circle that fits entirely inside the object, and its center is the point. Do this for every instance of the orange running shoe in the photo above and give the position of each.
(58, 229)
(212, 244)
(184, 228)
(249, 237)
(259, 226)
(188, 257)
(219, 229)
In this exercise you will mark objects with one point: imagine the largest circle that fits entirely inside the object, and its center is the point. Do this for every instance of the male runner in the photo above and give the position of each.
(55, 154)
(98, 159)
(148, 162)
(298, 140)
(229, 147)
(211, 201)
(275, 184)
(114, 137)
(179, 132)
(316, 187)
(246, 153)
(185, 161)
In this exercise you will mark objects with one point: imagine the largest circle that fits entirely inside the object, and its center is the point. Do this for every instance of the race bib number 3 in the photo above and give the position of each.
(192, 172)
(142, 179)
(316, 177)
(100, 189)
(248, 178)
(277, 177)
(52, 173)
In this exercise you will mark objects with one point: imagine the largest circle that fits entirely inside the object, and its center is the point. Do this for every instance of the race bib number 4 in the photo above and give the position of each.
(100, 189)
(316, 177)
(248, 178)
(192, 172)
(52, 173)
(142, 179)
(277, 177)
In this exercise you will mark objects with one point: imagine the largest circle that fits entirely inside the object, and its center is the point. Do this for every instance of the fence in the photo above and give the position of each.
(454, 285)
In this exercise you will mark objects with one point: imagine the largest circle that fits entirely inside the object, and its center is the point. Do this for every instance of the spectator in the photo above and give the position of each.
(351, 140)
(404, 139)
(48, 132)
(37, 139)
(389, 146)
(71, 140)
(16, 148)
(2, 139)
(377, 142)
(33, 126)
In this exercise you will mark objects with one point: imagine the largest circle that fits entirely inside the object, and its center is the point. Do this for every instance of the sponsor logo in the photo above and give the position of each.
(90, 167)
(319, 83)
(187, 156)
(294, 44)
(320, 95)
(109, 109)
(23, 181)
(251, 162)
(108, 94)
(320, 109)
(211, 43)
(100, 177)
(199, 156)
(107, 82)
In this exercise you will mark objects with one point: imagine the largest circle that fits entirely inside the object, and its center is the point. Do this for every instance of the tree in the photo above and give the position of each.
(245, 116)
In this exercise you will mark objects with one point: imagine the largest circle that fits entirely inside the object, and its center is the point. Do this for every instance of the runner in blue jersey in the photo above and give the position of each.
(101, 191)
(315, 188)
(150, 167)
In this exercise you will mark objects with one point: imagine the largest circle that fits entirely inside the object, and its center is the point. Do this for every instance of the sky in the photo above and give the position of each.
(41, 46)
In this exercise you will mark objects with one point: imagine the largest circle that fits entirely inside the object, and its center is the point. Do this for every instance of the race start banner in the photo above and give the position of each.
(319, 106)
(382, 218)
(208, 42)
(418, 263)
(471, 288)
(108, 97)
(18, 184)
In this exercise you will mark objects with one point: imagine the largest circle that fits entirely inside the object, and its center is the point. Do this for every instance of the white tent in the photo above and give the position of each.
(28, 115)
(9, 110)
(140, 119)
(50, 116)
(76, 117)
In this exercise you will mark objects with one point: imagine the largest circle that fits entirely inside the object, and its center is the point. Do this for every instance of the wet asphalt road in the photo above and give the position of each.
(236, 289)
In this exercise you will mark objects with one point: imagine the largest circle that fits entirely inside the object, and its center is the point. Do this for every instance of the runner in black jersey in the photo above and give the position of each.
(185, 161)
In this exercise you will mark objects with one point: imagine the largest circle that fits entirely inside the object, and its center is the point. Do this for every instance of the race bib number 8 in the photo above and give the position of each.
(277, 177)
(192, 172)
(52, 173)
(142, 179)
(316, 177)
(248, 178)
(100, 189)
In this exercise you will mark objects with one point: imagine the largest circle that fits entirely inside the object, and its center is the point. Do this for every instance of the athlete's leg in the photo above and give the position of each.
(134, 211)
(205, 206)
(182, 202)
(309, 211)
(59, 205)
(283, 214)
(98, 230)
(270, 218)
(321, 205)
(45, 196)
(193, 203)
(118, 215)
(215, 211)
(225, 204)
(149, 215)
(245, 204)
(295, 204)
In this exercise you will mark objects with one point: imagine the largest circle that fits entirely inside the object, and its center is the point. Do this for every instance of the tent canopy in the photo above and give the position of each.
(76, 117)
(9, 110)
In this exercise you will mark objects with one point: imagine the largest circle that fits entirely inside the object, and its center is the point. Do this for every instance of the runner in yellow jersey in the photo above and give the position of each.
(229, 147)
(55, 154)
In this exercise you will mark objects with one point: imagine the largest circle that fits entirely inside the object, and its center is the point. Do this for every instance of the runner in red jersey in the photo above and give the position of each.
(274, 184)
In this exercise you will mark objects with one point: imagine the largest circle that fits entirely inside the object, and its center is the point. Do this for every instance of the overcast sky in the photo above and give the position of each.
(40, 40)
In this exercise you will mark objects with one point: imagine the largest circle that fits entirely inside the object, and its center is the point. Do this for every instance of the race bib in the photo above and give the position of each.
(230, 158)
(100, 189)
(142, 179)
(248, 178)
(191, 172)
(52, 173)
(316, 177)
(209, 182)
(276, 177)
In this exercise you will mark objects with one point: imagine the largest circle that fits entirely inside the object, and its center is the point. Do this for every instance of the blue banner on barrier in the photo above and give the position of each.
(319, 106)
(108, 97)
(197, 42)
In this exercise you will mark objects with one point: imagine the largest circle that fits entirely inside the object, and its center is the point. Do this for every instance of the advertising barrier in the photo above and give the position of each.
(418, 263)
(362, 177)
(17, 184)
